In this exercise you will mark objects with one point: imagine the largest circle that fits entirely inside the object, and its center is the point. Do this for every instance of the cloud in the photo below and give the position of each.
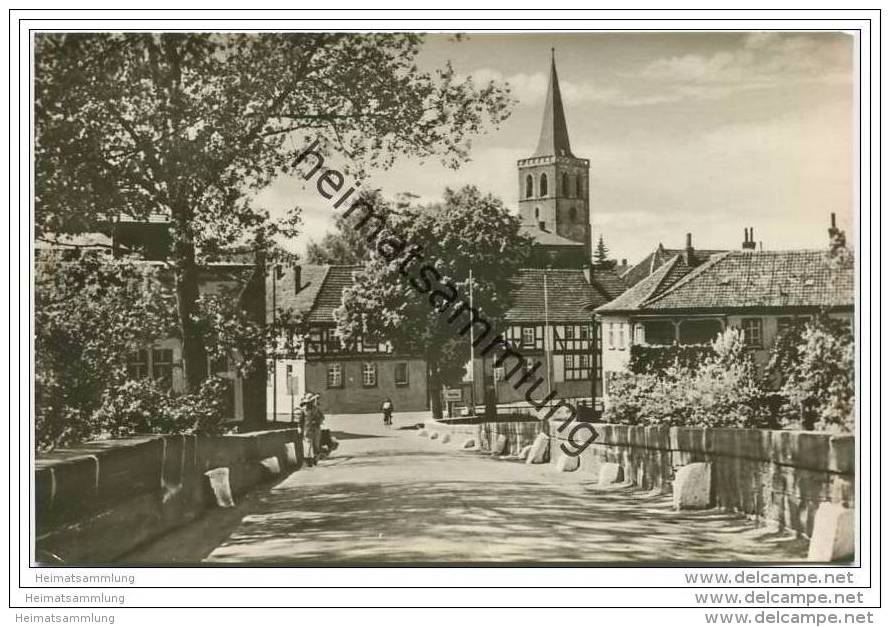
(761, 60)
(531, 90)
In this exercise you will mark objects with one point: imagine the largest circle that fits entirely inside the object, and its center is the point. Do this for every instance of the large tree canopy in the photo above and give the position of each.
(191, 125)
(415, 299)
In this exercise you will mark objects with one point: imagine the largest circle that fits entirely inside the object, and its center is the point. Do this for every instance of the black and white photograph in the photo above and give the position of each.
(389, 296)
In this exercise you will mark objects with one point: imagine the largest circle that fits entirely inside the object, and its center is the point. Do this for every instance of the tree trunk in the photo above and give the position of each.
(194, 354)
(435, 389)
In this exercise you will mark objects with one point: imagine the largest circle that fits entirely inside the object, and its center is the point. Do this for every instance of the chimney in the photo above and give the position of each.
(749, 244)
(689, 254)
(624, 262)
(837, 239)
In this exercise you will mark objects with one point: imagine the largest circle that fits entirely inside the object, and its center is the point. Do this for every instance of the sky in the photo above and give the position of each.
(702, 133)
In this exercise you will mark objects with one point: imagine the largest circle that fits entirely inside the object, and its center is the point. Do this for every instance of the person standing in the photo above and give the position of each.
(312, 421)
(387, 408)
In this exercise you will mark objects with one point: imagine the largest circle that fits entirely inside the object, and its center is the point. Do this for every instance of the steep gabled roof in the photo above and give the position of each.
(570, 297)
(657, 258)
(608, 282)
(554, 138)
(638, 294)
(286, 297)
(330, 296)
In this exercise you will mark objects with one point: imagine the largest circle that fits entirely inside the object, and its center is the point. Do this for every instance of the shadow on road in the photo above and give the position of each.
(394, 503)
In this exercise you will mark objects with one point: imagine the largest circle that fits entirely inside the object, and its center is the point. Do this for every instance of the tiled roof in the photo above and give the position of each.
(743, 279)
(330, 295)
(657, 258)
(608, 282)
(635, 296)
(570, 297)
(546, 238)
(286, 295)
(740, 279)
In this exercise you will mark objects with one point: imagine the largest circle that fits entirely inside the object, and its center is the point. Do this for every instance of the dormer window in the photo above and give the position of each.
(529, 186)
(543, 190)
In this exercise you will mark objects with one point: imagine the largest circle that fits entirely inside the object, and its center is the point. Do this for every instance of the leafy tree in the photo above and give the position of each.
(410, 299)
(347, 245)
(89, 315)
(601, 255)
(192, 125)
(813, 366)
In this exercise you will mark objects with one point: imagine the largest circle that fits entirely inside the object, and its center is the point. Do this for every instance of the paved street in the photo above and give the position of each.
(391, 496)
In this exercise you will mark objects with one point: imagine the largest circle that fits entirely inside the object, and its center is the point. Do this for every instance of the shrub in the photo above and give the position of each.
(201, 412)
(134, 406)
(719, 389)
(140, 406)
(658, 358)
(816, 371)
(89, 315)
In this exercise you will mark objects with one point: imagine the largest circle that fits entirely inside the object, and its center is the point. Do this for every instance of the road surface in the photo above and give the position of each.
(389, 496)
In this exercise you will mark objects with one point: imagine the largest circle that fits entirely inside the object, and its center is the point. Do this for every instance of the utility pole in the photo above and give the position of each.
(472, 353)
(547, 332)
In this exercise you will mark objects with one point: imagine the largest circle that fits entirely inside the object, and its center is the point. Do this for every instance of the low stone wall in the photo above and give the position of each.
(518, 434)
(777, 476)
(96, 502)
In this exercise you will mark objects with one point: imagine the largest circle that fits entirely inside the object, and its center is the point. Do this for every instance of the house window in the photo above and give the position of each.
(752, 331)
(611, 335)
(498, 373)
(369, 375)
(573, 214)
(621, 344)
(578, 187)
(543, 190)
(162, 366)
(137, 364)
(537, 213)
(577, 367)
(529, 187)
(528, 337)
(569, 333)
(290, 380)
(565, 184)
(585, 332)
(401, 373)
(335, 376)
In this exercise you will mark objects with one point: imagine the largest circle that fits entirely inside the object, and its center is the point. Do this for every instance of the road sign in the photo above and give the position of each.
(454, 394)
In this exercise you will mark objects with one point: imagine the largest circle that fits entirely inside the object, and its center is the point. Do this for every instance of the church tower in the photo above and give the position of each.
(553, 183)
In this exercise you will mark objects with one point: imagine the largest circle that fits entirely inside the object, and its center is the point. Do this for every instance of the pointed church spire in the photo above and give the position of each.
(554, 139)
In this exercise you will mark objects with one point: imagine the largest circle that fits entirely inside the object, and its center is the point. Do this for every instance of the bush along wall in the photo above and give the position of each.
(646, 359)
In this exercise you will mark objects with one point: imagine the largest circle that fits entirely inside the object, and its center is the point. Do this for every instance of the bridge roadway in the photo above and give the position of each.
(389, 496)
